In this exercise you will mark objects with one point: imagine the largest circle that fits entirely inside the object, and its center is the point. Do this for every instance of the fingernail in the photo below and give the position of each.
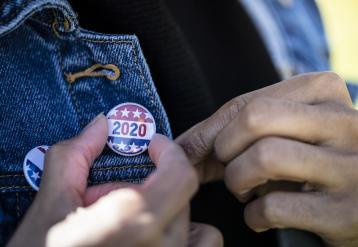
(261, 230)
(94, 121)
(244, 193)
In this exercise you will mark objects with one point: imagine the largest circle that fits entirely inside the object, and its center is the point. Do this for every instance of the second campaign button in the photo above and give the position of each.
(130, 129)
(33, 166)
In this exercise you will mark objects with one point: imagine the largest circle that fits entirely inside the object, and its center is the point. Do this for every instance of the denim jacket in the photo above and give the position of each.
(42, 47)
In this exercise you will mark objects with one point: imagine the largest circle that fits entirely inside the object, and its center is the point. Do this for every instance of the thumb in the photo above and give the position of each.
(67, 163)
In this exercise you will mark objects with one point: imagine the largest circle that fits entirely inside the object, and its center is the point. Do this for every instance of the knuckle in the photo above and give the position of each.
(337, 86)
(335, 81)
(263, 153)
(254, 114)
(269, 209)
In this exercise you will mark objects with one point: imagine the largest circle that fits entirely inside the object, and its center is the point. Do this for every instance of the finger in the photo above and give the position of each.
(173, 184)
(121, 216)
(202, 235)
(198, 141)
(67, 163)
(304, 211)
(275, 159)
(98, 191)
(271, 117)
(177, 232)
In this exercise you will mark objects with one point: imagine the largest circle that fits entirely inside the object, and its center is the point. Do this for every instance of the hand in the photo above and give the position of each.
(313, 88)
(68, 213)
(308, 135)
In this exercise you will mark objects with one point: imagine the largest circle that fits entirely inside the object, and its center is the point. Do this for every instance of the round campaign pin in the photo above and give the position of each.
(34, 165)
(130, 129)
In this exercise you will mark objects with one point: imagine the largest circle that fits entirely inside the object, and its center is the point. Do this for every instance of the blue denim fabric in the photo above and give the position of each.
(293, 33)
(39, 107)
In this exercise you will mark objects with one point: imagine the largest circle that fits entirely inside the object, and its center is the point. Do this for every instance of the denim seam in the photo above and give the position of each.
(74, 99)
(69, 86)
(121, 167)
(115, 181)
(107, 41)
(2, 22)
(10, 176)
(104, 182)
(14, 187)
(146, 83)
(21, 7)
(93, 169)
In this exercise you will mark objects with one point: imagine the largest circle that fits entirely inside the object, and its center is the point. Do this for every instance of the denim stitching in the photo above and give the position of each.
(14, 187)
(104, 182)
(76, 105)
(135, 55)
(19, 8)
(34, 11)
(10, 176)
(121, 168)
(107, 41)
(93, 169)
(69, 86)
(116, 181)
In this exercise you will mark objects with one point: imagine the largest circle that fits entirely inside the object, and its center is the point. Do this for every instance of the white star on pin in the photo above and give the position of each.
(144, 147)
(133, 147)
(121, 146)
(125, 113)
(136, 113)
(147, 115)
(35, 175)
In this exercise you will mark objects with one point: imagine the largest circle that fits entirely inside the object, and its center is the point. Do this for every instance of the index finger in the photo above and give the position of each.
(173, 184)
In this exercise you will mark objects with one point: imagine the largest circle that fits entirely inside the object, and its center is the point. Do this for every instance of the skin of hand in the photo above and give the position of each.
(301, 130)
(66, 212)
